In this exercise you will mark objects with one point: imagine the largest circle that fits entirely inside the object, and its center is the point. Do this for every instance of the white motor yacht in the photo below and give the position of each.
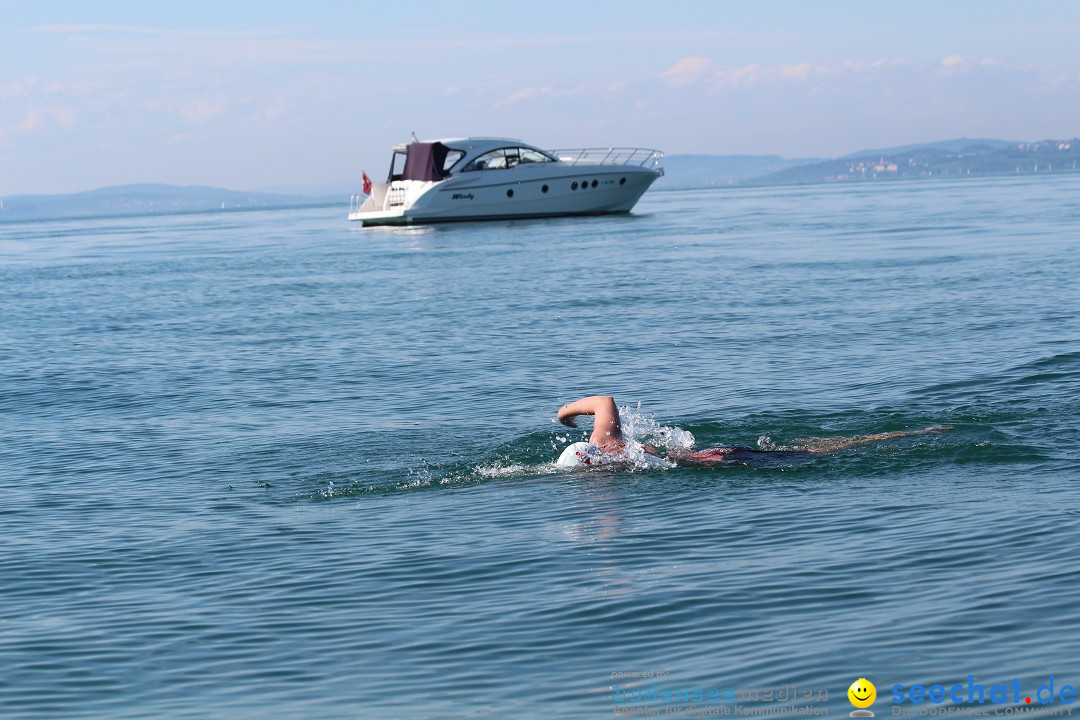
(501, 178)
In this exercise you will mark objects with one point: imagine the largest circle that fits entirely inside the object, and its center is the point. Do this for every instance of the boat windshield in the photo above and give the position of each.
(508, 157)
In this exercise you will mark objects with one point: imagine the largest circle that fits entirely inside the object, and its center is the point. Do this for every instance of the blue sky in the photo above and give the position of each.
(260, 95)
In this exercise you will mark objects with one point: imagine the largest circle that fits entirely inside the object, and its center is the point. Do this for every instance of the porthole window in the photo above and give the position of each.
(594, 183)
(509, 193)
(544, 189)
(573, 186)
(622, 181)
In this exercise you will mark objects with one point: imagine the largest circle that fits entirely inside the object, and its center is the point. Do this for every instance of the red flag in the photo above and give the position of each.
(367, 184)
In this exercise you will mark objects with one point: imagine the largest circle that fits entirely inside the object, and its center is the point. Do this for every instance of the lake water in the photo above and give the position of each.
(271, 464)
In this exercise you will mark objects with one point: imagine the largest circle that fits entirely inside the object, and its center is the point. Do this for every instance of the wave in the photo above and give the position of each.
(1047, 371)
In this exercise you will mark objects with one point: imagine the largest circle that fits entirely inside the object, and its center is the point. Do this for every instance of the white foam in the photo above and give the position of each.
(496, 470)
(637, 427)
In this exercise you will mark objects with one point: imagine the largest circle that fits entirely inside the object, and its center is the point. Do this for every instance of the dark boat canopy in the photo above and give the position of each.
(425, 161)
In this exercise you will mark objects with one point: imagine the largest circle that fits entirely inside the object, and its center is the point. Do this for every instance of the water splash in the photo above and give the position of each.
(497, 470)
(639, 427)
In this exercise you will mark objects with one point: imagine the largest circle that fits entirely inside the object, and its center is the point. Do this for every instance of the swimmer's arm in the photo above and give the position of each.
(606, 426)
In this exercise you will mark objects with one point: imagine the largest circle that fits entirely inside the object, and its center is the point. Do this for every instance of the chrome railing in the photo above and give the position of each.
(641, 157)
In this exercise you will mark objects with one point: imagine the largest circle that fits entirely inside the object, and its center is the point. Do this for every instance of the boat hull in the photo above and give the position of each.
(528, 191)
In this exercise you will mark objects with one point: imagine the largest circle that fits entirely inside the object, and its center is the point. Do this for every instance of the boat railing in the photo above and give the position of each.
(640, 157)
(373, 201)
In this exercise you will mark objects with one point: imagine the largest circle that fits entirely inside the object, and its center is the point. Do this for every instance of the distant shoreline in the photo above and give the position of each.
(903, 180)
(657, 188)
(168, 213)
(952, 159)
(147, 199)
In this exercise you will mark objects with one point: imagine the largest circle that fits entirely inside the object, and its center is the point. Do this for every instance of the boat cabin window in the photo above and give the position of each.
(532, 156)
(504, 158)
(452, 158)
(397, 167)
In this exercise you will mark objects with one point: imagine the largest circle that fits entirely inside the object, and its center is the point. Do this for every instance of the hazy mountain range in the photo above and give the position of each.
(146, 199)
(960, 157)
(983, 158)
(695, 171)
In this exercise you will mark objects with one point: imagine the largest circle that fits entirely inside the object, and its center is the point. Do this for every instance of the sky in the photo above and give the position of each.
(275, 95)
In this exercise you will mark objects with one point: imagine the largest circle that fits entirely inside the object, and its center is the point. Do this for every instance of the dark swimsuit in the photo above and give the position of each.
(736, 454)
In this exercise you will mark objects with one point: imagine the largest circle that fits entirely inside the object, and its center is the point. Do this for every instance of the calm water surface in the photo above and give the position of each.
(271, 464)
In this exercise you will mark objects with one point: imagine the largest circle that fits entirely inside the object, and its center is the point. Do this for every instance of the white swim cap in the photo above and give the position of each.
(577, 455)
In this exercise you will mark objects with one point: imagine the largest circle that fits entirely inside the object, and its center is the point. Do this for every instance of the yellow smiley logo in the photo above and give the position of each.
(862, 693)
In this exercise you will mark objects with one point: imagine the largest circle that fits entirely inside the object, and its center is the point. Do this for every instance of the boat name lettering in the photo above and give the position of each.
(461, 196)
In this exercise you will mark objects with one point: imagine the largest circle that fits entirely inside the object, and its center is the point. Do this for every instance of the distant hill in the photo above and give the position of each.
(332, 192)
(144, 199)
(946, 145)
(694, 171)
(1047, 156)
(918, 160)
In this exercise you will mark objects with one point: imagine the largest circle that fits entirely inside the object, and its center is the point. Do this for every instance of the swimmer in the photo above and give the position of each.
(607, 446)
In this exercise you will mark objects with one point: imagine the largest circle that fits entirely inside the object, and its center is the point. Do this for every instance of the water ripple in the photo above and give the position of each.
(273, 466)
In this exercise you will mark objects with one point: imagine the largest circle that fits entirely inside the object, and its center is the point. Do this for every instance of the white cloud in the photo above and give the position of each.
(63, 114)
(593, 89)
(688, 70)
(524, 94)
(30, 121)
(11, 90)
(747, 75)
(276, 110)
(202, 110)
(518, 96)
(798, 72)
(953, 64)
(694, 70)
